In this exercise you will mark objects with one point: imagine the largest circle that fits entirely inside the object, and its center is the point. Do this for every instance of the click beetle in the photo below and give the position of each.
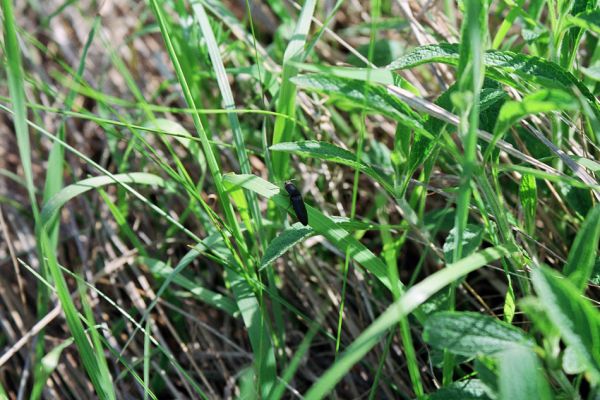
(297, 202)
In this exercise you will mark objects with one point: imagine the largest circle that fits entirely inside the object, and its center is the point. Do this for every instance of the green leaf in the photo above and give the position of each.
(575, 317)
(509, 305)
(588, 20)
(471, 334)
(570, 362)
(542, 101)
(329, 152)
(501, 65)
(365, 96)
(520, 375)
(470, 389)
(283, 242)
(471, 240)
(48, 364)
(582, 256)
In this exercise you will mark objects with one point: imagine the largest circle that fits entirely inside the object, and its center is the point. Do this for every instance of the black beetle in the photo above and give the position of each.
(297, 202)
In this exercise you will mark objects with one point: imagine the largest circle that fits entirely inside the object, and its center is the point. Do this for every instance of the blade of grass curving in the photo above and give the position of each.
(286, 101)
(50, 209)
(406, 304)
(107, 173)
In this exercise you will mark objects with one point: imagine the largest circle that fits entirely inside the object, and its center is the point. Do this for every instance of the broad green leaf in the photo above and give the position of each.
(471, 334)
(545, 100)
(520, 375)
(380, 76)
(283, 242)
(501, 65)
(329, 152)
(407, 302)
(575, 317)
(583, 253)
(471, 240)
(364, 96)
(470, 389)
(69, 192)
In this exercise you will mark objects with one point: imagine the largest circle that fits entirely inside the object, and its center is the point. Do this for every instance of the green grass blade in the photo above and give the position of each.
(59, 199)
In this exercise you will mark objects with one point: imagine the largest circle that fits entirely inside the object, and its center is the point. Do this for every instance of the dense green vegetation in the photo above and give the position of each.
(445, 151)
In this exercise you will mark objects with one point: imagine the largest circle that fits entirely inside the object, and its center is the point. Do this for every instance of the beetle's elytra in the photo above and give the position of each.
(297, 203)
